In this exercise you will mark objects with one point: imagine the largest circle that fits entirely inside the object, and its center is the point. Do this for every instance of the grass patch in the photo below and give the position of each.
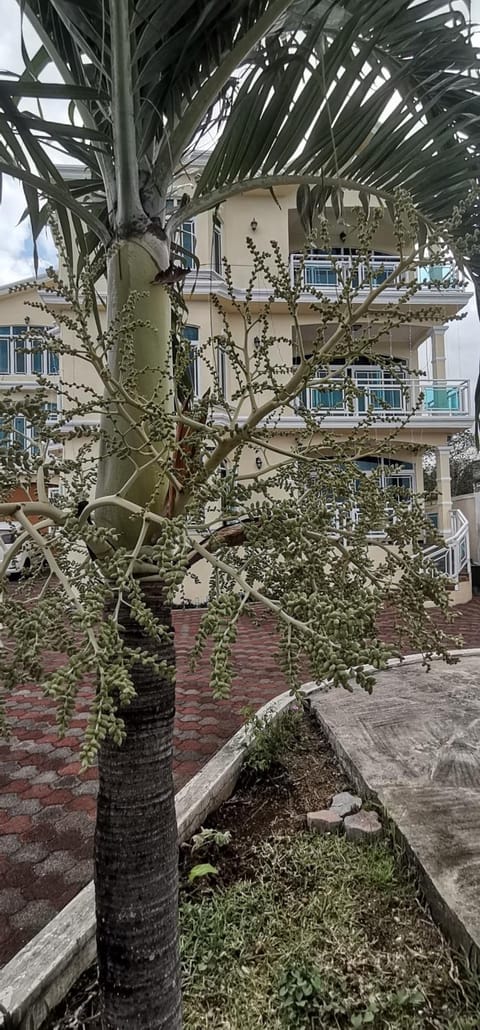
(328, 934)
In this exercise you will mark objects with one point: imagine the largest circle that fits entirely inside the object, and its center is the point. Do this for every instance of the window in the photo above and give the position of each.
(403, 477)
(20, 431)
(8, 537)
(20, 345)
(52, 408)
(4, 350)
(221, 369)
(187, 241)
(185, 235)
(37, 362)
(52, 364)
(190, 333)
(217, 245)
(19, 353)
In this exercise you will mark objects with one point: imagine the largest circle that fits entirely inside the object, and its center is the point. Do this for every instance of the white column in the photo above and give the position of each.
(444, 501)
(439, 364)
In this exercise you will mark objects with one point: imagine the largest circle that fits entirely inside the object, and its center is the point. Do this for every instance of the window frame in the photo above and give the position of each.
(221, 368)
(217, 245)
(187, 228)
(22, 359)
(193, 364)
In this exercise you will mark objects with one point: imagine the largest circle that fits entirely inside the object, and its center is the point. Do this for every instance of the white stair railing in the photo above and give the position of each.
(453, 556)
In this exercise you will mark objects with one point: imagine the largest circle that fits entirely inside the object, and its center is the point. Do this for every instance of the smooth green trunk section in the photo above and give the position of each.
(143, 353)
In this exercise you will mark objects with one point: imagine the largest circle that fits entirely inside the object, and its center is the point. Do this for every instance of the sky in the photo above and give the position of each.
(16, 260)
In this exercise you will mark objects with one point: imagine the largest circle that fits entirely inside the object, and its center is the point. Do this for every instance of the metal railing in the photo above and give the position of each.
(361, 391)
(453, 556)
(345, 517)
(449, 558)
(321, 271)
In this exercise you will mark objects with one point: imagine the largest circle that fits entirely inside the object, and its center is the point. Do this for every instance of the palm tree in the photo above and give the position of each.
(375, 95)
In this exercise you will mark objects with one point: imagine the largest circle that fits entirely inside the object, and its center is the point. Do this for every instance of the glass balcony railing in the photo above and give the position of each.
(360, 392)
(319, 271)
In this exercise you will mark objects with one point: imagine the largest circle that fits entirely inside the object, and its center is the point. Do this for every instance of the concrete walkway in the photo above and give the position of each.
(47, 805)
(414, 745)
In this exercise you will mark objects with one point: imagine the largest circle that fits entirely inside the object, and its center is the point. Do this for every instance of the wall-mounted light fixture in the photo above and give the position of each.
(343, 228)
(254, 225)
(256, 342)
(258, 462)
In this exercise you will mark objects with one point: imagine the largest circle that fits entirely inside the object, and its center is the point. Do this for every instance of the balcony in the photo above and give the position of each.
(360, 392)
(318, 271)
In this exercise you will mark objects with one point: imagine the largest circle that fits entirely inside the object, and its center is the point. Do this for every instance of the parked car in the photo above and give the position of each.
(21, 561)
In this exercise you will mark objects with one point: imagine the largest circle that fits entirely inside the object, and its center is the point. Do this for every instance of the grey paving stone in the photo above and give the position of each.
(31, 853)
(9, 800)
(50, 814)
(50, 776)
(27, 807)
(79, 821)
(9, 843)
(24, 772)
(35, 747)
(89, 787)
(56, 862)
(346, 803)
(11, 900)
(80, 873)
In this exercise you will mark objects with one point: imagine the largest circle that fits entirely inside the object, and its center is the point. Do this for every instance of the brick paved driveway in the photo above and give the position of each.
(47, 805)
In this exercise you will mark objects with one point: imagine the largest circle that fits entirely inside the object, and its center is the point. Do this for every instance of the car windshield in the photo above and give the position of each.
(7, 536)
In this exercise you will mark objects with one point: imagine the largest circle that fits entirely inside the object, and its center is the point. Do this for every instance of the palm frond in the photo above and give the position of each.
(384, 93)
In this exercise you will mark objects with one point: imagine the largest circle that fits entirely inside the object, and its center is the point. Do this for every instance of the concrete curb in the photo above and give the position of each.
(42, 973)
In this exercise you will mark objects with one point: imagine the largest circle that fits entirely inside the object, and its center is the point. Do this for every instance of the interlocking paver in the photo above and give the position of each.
(46, 847)
(56, 862)
(11, 901)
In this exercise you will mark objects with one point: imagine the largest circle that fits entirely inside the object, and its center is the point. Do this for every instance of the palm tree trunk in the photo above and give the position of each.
(136, 850)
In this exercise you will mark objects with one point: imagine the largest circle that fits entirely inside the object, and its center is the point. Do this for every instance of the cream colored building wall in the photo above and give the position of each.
(283, 226)
(16, 307)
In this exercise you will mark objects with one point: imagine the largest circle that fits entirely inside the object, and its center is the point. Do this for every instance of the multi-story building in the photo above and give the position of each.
(438, 407)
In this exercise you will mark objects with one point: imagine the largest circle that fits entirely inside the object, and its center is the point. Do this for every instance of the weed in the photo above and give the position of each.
(270, 738)
(200, 871)
(208, 836)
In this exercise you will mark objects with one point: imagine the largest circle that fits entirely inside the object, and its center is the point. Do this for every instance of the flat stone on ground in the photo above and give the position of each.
(325, 821)
(346, 803)
(362, 827)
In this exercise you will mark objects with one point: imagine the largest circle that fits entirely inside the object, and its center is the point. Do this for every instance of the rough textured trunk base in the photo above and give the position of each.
(136, 852)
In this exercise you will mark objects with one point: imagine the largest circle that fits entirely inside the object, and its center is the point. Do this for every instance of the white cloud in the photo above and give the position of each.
(16, 260)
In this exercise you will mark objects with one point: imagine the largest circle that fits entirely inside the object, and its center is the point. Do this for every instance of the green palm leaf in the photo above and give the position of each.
(383, 93)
